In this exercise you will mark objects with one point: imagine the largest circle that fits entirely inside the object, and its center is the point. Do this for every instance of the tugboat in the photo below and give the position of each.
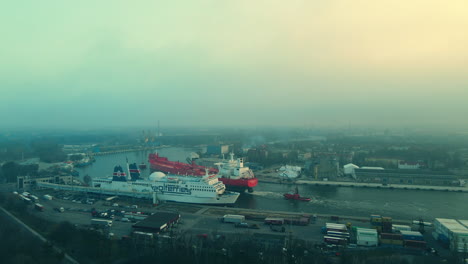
(295, 196)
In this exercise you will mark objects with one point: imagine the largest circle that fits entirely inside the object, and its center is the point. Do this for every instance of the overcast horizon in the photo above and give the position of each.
(386, 64)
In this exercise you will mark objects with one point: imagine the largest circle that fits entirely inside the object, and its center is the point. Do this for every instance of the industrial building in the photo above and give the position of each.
(217, 149)
(416, 177)
(405, 165)
(27, 182)
(157, 222)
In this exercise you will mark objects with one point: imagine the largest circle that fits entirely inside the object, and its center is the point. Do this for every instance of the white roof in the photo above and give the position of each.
(401, 226)
(350, 165)
(372, 168)
(455, 226)
(366, 230)
(411, 233)
(445, 220)
(464, 222)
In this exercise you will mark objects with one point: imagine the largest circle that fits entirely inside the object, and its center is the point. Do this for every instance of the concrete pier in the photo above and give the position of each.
(371, 185)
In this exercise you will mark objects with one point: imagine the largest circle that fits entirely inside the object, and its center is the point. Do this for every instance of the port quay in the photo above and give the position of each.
(376, 185)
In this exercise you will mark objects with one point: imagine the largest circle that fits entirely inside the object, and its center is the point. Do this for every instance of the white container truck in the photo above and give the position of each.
(233, 219)
(101, 222)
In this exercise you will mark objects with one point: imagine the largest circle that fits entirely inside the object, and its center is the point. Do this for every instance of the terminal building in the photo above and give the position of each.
(28, 182)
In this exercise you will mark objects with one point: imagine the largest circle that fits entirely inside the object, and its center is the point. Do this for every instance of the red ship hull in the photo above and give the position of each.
(158, 163)
(246, 183)
(162, 164)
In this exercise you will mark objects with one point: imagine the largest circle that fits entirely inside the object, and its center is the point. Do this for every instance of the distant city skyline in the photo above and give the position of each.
(388, 64)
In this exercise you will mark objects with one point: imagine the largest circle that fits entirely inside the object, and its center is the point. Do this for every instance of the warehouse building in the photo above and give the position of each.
(157, 222)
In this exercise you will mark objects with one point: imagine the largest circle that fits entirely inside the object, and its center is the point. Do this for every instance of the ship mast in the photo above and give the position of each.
(129, 177)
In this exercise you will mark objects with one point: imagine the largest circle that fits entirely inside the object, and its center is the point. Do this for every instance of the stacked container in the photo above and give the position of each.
(413, 239)
(367, 237)
(336, 227)
(376, 222)
(386, 224)
(452, 233)
(389, 239)
(416, 244)
(412, 235)
(397, 228)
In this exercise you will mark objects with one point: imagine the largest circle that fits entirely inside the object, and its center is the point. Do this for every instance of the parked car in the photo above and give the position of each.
(254, 226)
(243, 225)
(277, 228)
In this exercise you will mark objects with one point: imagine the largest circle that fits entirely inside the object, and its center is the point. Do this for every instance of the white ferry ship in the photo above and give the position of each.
(176, 188)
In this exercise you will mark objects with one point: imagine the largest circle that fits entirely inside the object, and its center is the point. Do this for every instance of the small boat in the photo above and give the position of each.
(295, 196)
(142, 166)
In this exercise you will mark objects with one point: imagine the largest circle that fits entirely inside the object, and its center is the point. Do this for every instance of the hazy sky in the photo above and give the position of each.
(108, 62)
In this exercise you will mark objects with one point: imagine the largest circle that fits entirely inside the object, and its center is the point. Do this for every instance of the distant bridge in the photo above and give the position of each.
(126, 150)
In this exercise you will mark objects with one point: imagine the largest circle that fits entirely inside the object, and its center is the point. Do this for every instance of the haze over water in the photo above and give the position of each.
(93, 64)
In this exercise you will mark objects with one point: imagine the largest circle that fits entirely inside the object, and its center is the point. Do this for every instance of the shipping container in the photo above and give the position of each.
(274, 221)
(336, 227)
(410, 234)
(401, 227)
(464, 223)
(415, 244)
(335, 240)
(303, 221)
(367, 242)
(233, 218)
(338, 234)
(391, 236)
(101, 222)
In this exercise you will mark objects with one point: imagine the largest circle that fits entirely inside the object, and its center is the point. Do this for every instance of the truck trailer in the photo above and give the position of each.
(233, 219)
(101, 222)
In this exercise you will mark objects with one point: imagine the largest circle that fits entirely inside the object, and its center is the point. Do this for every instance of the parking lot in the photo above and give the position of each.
(195, 219)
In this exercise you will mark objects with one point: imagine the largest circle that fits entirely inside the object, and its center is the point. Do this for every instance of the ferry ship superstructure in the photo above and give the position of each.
(177, 188)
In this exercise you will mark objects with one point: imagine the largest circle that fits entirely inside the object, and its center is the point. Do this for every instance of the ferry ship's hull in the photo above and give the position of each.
(227, 198)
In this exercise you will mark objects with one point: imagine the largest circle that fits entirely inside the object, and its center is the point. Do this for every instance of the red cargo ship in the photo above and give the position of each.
(233, 173)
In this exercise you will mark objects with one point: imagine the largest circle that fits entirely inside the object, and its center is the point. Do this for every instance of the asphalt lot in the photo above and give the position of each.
(195, 219)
